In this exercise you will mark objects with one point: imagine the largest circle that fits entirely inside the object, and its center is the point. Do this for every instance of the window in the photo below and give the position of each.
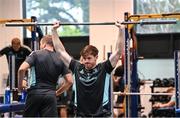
(48, 11)
(157, 7)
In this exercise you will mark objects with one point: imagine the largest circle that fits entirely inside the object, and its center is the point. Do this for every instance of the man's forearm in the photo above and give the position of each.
(120, 41)
(60, 48)
(21, 75)
(118, 47)
(67, 83)
(63, 88)
(57, 43)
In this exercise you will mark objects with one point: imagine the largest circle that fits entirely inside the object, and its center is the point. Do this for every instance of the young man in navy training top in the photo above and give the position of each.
(92, 81)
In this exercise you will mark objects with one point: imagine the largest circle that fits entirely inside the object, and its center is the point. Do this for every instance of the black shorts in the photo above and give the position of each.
(41, 103)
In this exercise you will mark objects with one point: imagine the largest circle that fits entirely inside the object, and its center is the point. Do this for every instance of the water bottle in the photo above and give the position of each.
(7, 98)
(23, 96)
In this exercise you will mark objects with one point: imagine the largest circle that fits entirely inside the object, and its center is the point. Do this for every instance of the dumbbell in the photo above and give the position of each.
(157, 82)
(171, 82)
(165, 82)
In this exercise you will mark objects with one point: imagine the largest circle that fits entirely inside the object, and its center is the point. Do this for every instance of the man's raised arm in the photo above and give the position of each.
(66, 58)
(119, 46)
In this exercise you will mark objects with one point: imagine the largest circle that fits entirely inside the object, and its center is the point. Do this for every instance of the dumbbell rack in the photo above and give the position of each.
(163, 99)
(156, 89)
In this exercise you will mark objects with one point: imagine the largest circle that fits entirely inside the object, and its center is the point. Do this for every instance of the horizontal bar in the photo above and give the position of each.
(121, 93)
(151, 22)
(95, 23)
(50, 24)
(148, 16)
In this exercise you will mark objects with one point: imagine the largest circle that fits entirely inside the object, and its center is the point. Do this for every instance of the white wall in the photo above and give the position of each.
(107, 11)
(10, 9)
(154, 68)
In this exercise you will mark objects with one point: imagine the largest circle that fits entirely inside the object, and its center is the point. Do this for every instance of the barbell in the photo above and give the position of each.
(123, 93)
(90, 23)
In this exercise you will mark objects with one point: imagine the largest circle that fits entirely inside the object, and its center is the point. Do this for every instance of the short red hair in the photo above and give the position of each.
(89, 50)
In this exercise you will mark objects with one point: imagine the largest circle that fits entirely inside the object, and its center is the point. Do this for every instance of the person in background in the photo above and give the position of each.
(118, 83)
(91, 80)
(19, 51)
(171, 102)
(63, 100)
(41, 96)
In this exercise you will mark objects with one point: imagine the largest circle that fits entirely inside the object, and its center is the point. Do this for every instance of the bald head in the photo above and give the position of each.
(16, 43)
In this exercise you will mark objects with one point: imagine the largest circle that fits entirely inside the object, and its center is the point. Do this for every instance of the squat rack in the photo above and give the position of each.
(129, 20)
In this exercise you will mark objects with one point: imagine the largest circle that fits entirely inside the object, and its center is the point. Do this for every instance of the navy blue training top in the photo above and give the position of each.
(92, 88)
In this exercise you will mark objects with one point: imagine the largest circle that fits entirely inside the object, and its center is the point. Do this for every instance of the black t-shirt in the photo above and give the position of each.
(20, 56)
(92, 88)
(48, 67)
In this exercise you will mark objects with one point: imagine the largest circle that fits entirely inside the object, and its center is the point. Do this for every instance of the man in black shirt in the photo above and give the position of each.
(19, 51)
(92, 81)
(41, 98)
